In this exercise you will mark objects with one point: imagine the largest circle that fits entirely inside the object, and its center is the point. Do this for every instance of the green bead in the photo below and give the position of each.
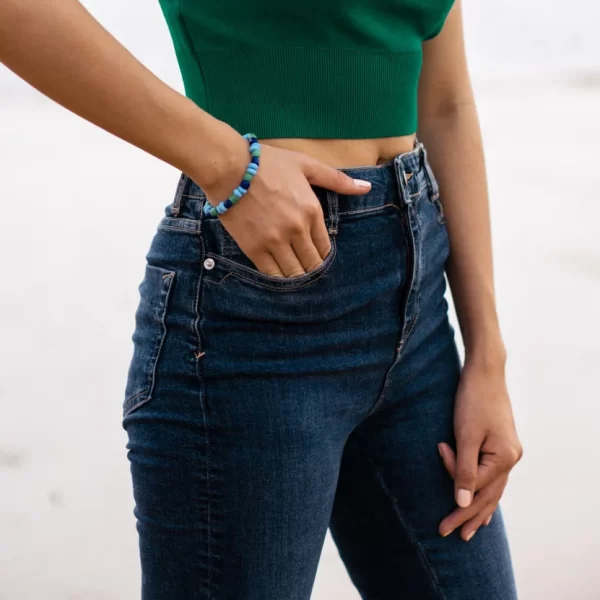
(248, 176)
(255, 153)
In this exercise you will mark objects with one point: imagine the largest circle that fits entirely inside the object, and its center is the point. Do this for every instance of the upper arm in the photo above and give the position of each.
(444, 83)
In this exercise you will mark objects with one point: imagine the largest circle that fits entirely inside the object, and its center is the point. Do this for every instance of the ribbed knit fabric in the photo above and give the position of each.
(311, 69)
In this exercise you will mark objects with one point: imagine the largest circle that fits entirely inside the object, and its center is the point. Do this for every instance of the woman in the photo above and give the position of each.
(294, 368)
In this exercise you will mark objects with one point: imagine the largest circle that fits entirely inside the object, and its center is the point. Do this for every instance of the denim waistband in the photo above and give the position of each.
(399, 181)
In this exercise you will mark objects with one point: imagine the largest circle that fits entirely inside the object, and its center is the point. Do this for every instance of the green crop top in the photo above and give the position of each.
(310, 68)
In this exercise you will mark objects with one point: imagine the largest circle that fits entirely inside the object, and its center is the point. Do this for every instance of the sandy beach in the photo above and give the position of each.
(79, 208)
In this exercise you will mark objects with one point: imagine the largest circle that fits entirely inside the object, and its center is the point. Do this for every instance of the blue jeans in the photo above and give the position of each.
(260, 410)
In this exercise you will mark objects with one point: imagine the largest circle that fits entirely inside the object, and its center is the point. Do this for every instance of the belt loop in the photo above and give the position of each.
(402, 182)
(333, 209)
(176, 205)
(433, 184)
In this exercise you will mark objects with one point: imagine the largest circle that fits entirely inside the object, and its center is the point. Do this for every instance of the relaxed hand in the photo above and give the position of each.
(487, 448)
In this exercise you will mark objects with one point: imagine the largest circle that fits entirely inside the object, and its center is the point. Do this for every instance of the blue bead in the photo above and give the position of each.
(237, 193)
(256, 160)
(228, 203)
(245, 184)
(242, 191)
(254, 146)
(220, 208)
(251, 166)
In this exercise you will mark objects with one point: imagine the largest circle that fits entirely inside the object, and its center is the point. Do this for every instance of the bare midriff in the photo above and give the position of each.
(348, 153)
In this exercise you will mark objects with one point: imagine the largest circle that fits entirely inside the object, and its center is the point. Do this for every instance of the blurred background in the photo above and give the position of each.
(79, 208)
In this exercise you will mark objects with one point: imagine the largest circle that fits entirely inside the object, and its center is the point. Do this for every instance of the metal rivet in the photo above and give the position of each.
(209, 263)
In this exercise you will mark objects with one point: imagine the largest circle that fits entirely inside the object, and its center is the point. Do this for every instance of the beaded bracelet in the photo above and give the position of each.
(242, 189)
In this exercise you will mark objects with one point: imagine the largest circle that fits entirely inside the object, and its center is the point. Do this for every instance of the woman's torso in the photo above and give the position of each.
(348, 152)
(336, 79)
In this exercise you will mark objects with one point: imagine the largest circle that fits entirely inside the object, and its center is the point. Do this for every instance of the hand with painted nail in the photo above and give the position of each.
(487, 448)
(279, 224)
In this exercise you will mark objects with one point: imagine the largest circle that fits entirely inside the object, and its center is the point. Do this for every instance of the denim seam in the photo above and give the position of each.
(199, 372)
(421, 190)
(165, 291)
(367, 210)
(440, 209)
(404, 523)
(413, 288)
(177, 228)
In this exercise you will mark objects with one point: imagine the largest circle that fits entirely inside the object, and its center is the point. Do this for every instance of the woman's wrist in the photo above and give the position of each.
(486, 354)
(212, 153)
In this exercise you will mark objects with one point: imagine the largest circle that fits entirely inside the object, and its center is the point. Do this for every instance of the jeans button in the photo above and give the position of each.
(209, 263)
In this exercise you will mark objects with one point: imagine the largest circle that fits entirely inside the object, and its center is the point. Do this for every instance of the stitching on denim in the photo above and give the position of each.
(423, 187)
(200, 366)
(386, 385)
(314, 276)
(412, 290)
(440, 209)
(128, 404)
(177, 228)
(167, 279)
(404, 523)
(368, 210)
(137, 405)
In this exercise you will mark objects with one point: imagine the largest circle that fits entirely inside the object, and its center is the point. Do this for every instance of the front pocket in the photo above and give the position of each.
(226, 259)
(148, 336)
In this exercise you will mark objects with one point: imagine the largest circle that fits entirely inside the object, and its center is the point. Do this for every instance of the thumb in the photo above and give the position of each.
(318, 173)
(467, 460)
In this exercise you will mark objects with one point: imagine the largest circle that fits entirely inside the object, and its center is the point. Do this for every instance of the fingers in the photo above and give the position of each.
(331, 178)
(467, 461)
(266, 263)
(470, 528)
(308, 245)
(448, 458)
(313, 246)
(484, 516)
(472, 517)
(320, 235)
(288, 260)
(487, 470)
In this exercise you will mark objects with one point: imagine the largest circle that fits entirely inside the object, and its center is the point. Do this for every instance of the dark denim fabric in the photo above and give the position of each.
(260, 410)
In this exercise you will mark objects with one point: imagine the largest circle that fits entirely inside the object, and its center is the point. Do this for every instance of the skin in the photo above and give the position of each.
(52, 44)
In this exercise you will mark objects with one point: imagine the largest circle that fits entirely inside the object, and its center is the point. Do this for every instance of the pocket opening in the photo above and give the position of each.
(226, 267)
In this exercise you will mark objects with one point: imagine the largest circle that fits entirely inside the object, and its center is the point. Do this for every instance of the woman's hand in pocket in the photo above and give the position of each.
(279, 224)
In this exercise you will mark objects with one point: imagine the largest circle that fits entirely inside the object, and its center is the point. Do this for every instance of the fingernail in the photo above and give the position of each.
(488, 520)
(468, 538)
(362, 183)
(463, 498)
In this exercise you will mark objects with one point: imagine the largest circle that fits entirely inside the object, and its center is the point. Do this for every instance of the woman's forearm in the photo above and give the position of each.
(455, 149)
(59, 48)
